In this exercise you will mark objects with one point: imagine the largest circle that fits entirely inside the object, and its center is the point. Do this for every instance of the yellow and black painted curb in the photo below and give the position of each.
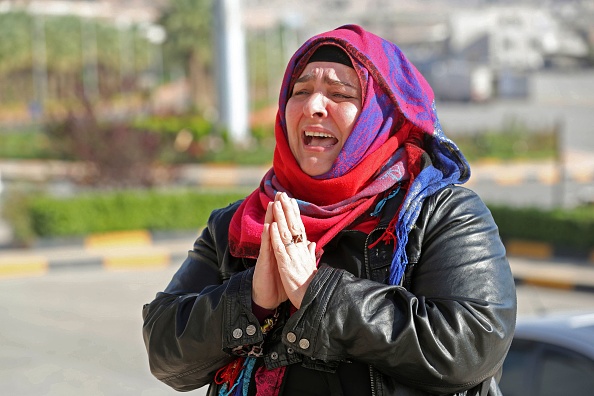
(122, 250)
(545, 251)
(141, 250)
(120, 259)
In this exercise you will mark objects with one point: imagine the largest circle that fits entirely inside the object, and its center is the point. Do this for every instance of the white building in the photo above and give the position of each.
(517, 37)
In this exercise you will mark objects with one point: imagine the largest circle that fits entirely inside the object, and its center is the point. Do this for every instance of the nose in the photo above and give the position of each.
(315, 106)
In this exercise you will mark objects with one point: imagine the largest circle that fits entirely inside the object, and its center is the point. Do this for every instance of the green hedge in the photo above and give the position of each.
(53, 217)
(196, 125)
(565, 229)
(46, 217)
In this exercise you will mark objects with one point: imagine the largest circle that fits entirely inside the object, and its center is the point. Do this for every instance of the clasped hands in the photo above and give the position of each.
(287, 261)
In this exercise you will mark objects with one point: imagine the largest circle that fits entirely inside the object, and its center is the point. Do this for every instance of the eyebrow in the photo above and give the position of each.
(330, 81)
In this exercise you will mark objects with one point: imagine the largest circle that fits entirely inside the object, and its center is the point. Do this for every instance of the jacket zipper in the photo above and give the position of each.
(368, 273)
(367, 267)
(371, 377)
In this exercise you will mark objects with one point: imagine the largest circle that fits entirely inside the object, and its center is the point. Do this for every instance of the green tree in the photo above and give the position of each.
(189, 44)
(15, 56)
(72, 49)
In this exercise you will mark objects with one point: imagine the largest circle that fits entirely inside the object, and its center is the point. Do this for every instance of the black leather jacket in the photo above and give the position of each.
(445, 330)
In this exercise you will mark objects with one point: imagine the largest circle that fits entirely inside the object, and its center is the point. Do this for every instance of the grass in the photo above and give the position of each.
(29, 144)
(508, 145)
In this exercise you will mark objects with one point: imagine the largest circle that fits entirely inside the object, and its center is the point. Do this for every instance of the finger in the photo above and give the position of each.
(295, 207)
(281, 221)
(292, 217)
(277, 196)
(278, 244)
(265, 244)
(268, 217)
(298, 218)
(266, 258)
(312, 249)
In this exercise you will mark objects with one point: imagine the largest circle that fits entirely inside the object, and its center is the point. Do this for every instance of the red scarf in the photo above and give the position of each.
(327, 205)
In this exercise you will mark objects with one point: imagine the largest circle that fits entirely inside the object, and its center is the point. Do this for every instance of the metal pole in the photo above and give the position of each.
(559, 187)
(232, 67)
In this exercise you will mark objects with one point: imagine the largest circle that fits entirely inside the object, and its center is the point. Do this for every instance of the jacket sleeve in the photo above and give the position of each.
(449, 332)
(183, 326)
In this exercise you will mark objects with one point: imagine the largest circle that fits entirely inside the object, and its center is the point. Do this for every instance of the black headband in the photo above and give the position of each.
(330, 53)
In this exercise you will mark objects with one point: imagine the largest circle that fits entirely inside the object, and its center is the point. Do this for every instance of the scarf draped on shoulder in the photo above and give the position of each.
(396, 129)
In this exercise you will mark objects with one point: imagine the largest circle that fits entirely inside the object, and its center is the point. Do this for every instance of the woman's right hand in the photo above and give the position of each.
(267, 288)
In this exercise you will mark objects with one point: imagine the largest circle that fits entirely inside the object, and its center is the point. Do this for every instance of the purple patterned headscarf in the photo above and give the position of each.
(397, 104)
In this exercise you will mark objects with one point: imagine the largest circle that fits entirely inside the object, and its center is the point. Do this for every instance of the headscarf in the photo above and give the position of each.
(395, 131)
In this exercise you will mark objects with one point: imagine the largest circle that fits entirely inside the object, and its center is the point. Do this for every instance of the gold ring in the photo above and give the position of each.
(288, 244)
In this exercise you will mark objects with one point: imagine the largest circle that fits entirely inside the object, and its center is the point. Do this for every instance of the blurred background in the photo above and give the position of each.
(124, 123)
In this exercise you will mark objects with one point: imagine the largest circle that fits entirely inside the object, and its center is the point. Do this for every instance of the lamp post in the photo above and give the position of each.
(232, 66)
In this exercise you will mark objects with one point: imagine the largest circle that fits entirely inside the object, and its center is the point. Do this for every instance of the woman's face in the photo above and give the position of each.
(320, 114)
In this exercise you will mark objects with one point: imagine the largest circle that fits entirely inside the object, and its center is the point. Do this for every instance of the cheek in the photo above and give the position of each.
(347, 117)
(291, 115)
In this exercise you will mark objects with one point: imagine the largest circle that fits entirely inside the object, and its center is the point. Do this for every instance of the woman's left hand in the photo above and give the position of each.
(295, 256)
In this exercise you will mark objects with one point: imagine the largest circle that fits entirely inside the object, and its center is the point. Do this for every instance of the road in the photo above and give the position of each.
(78, 332)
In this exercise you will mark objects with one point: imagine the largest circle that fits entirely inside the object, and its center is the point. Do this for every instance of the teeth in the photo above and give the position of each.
(318, 134)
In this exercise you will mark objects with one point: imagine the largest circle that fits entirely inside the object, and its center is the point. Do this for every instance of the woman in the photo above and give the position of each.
(357, 267)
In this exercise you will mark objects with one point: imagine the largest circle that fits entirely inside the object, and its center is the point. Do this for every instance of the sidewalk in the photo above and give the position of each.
(138, 250)
(577, 167)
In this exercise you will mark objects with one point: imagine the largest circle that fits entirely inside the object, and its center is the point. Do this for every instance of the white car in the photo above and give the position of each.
(551, 355)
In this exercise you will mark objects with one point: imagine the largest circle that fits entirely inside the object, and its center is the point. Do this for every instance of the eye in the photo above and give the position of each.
(300, 92)
(342, 95)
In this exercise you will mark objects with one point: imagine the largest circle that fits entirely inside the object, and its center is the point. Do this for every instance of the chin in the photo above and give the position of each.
(315, 170)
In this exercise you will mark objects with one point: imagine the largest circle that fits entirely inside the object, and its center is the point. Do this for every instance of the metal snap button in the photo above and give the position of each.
(291, 337)
(290, 351)
(274, 356)
(250, 330)
(237, 333)
(303, 343)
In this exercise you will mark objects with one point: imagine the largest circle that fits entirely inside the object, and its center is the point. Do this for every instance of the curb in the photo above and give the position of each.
(569, 276)
(545, 251)
(142, 250)
(121, 250)
(124, 259)
(553, 284)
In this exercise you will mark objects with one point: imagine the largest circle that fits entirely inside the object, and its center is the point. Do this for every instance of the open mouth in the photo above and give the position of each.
(319, 139)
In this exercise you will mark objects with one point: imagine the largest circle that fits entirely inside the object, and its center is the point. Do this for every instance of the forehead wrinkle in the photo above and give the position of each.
(327, 79)
(332, 81)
